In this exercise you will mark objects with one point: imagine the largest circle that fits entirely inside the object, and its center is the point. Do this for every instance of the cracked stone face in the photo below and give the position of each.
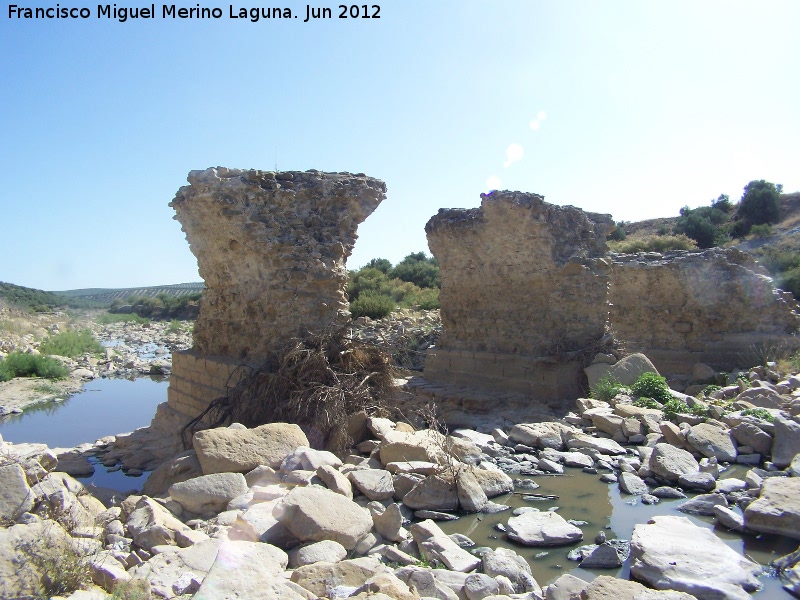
(271, 248)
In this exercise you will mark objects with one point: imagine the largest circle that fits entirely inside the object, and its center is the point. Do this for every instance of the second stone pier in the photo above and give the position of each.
(524, 293)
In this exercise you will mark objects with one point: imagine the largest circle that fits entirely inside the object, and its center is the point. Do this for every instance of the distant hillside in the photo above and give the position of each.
(105, 296)
(39, 300)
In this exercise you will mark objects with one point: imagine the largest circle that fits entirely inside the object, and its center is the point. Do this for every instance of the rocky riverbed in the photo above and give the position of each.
(258, 514)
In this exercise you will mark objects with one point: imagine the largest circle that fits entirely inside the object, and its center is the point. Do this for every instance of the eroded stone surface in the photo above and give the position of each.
(549, 262)
(710, 306)
(271, 248)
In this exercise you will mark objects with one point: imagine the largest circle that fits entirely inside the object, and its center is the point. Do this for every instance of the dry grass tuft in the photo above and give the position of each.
(317, 383)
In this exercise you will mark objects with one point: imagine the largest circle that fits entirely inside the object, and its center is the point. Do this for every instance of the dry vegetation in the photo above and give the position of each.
(317, 383)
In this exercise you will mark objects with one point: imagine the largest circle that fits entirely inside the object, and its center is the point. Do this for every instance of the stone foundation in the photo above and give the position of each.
(716, 306)
(197, 380)
(272, 249)
(524, 287)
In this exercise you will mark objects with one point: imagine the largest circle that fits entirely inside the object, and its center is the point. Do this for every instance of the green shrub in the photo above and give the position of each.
(18, 364)
(644, 402)
(760, 203)
(607, 388)
(761, 231)
(653, 243)
(419, 269)
(618, 233)
(71, 344)
(673, 406)
(174, 326)
(106, 318)
(699, 410)
(652, 385)
(372, 305)
(427, 299)
(710, 389)
(758, 413)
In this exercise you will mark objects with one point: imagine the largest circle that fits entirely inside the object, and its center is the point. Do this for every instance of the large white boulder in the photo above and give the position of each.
(315, 514)
(237, 450)
(672, 553)
(542, 529)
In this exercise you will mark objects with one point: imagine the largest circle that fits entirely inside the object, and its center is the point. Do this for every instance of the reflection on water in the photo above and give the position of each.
(105, 407)
(584, 497)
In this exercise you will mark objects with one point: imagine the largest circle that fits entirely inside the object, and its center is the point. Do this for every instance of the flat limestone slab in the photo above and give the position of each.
(673, 553)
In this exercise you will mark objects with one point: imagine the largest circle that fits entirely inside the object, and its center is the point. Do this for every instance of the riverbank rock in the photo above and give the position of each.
(208, 493)
(611, 588)
(777, 510)
(713, 442)
(541, 435)
(542, 529)
(670, 462)
(786, 443)
(434, 544)
(673, 553)
(15, 493)
(236, 450)
(316, 514)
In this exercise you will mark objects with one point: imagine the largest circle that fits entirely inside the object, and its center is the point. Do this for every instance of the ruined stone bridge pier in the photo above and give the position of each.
(524, 283)
(272, 250)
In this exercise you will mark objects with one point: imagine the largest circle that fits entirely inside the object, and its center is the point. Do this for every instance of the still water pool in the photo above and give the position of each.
(583, 497)
(104, 407)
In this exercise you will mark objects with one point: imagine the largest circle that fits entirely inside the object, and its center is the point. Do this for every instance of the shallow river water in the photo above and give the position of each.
(112, 406)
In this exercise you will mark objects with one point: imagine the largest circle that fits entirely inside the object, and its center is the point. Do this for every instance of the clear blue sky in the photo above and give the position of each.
(624, 107)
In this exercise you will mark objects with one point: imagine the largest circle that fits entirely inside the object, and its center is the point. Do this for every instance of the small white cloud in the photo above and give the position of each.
(514, 153)
(541, 116)
(535, 125)
(493, 183)
(537, 122)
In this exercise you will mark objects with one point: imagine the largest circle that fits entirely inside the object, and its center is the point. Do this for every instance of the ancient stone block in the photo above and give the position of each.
(271, 248)
(714, 306)
(524, 284)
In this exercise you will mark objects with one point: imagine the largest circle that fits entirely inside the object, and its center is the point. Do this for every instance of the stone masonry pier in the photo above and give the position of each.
(272, 249)
(717, 307)
(524, 290)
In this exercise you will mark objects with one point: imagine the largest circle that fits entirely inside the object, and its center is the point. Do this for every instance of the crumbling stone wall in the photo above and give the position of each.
(271, 248)
(524, 283)
(716, 306)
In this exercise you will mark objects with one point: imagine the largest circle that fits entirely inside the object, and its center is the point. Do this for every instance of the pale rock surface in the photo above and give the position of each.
(670, 462)
(247, 570)
(603, 445)
(566, 587)
(320, 578)
(385, 585)
(471, 496)
(706, 567)
(316, 514)
(15, 493)
(225, 450)
(541, 435)
(703, 504)
(435, 492)
(493, 483)
(626, 371)
(208, 493)
(542, 529)
(325, 551)
(632, 484)
(14, 581)
(150, 524)
(712, 441)
(434, 544)
(777, 510)
(478, 586)
(508, 563)
(747, 434)
(762, 397)
(611, 588)
(375, 484)
(336, 481)
(182, 467)
(388, 521)
(308, 459)
(786, 443)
